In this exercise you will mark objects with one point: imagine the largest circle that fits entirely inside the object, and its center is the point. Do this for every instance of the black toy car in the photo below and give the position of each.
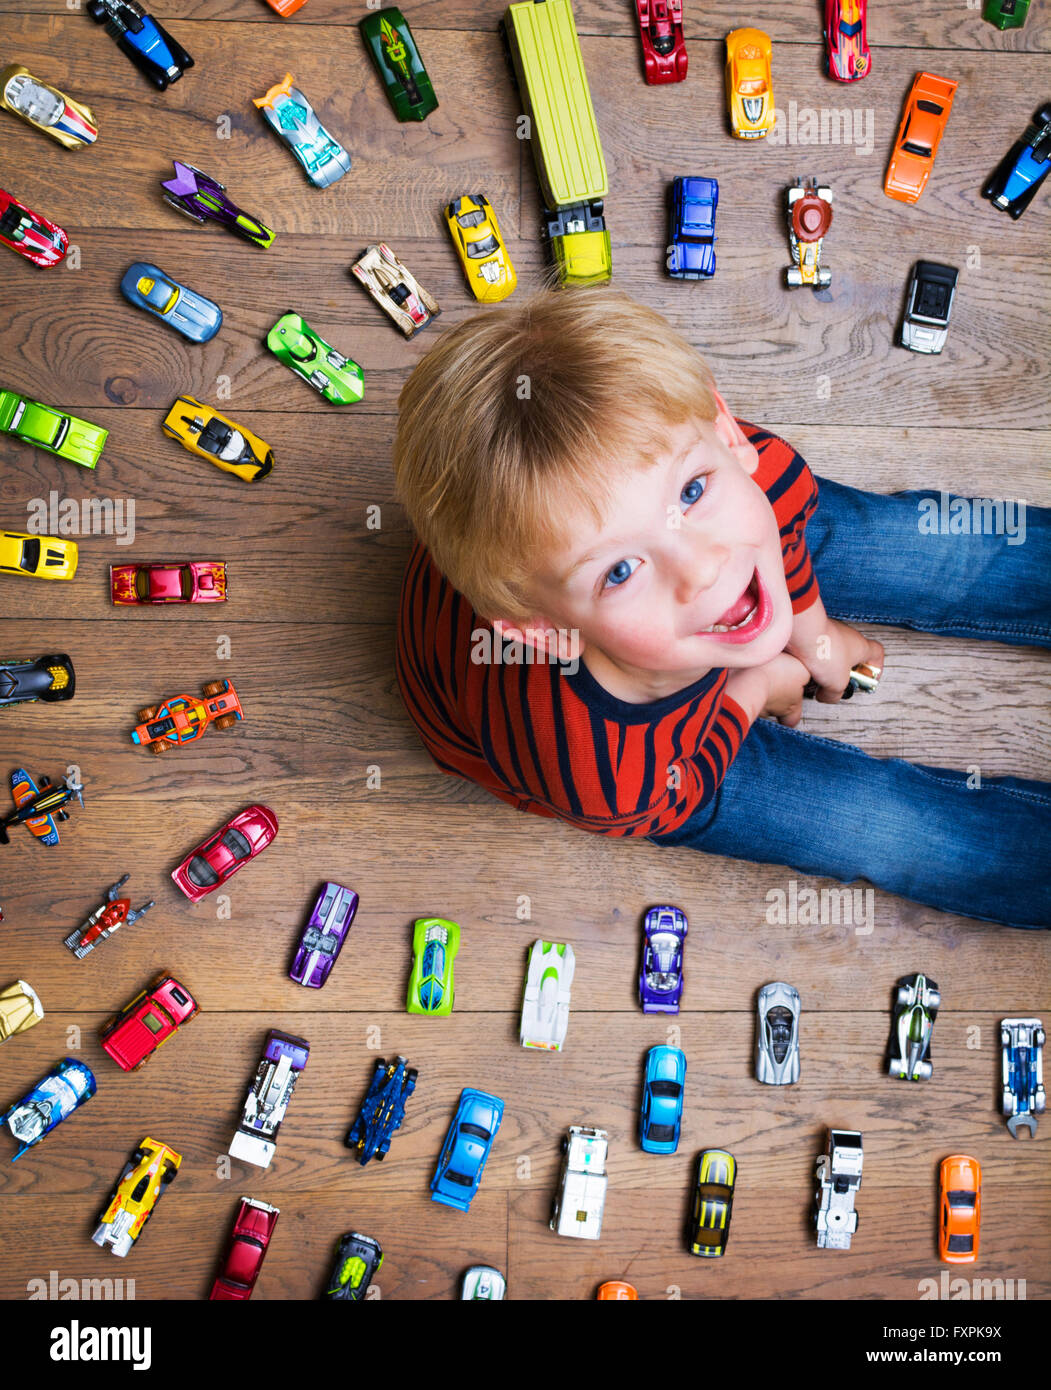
(928, 306)
(1013, 183)
(150, 47)
(358, 1259)
(48, 678)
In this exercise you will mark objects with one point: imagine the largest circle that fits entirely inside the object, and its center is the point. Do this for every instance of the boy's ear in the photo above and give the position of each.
(556, 643)
(734, 437)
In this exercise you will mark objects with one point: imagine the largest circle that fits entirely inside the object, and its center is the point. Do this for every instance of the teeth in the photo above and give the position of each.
(721, 627)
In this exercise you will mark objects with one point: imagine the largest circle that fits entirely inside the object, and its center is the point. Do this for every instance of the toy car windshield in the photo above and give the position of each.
(200, 873)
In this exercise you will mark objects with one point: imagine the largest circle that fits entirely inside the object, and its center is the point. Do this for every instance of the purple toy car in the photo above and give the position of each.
(660, 979)
(199, 197)
(323, 935)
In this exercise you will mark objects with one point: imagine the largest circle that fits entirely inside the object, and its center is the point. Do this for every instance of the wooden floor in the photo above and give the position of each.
(313, 591)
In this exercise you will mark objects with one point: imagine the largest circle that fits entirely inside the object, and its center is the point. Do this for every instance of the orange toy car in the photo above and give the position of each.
(616, 1288)
(961, 1209)
(286, 8)
(927, 109)
(184, 718)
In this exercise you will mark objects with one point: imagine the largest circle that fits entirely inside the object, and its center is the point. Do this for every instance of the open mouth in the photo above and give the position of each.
(746, 617)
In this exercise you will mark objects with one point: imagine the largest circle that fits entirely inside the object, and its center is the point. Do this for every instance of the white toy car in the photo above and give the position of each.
(838, 1174)
(483, 1282)
(777, 1037)
(545, 1008)
(395, 289)
(581, 1196)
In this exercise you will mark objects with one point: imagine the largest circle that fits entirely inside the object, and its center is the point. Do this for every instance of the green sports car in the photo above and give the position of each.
(393, 50)
(339, 379)
(51, 429)
(435, 942)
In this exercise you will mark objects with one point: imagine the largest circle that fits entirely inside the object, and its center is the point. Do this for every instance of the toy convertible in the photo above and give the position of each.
(48, 428)
(48, 678)
(64, 1089)
(200, 198)
(383, 1109)
(34, 805)
(189, 313)
(395, 290)
(140, 1187)
(111, 913)
(1013, 184)
(218, 858)
(284, 1057)
(184, 718)
(139, 37)
(916, 1003)
(147, 1022)
(393, 50)
(31, 235)
(195, 581)
(69, 122)
(809, 218)
(210, 435)
(293, 120)
(339, 379)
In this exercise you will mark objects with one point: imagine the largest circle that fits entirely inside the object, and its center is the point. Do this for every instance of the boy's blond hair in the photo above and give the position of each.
(524, 414)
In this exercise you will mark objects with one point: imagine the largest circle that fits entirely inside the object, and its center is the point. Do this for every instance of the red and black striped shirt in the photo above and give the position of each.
(559, 744)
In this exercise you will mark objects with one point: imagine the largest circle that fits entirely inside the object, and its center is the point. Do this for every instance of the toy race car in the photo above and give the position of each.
(660, 977)
(42, 557)
(916, 1003)
(777, 1035)
(691, 249)
(545, 1006)
(324, 935)
(31, 235)
(139, 37)
(1005, 14)
(48, 428)
(927, 109)
(960, 1184)
(482, 1283)
(435, 942)
(467, 1146)
(284, 1057)
(809, 218)
(663, 45)
(339, 379)
(713, 1201)
(292, 118)
(838, 1175)
(193, 581)
(580, 1197)
(847, 56)
(663, 1090)
(212, 436)
(395, 290)
(1013, 184)
(358, 1259)
(246, 1249)
(618, 1291)
(47, 678)
(184, 718)
(393, 50)
(200, 197)
(152, 1167)
(928, 307)
(218, 858)
(190, 314)
(147, 1022)
(69, 122)
(64, 1089)
(480, 247)
(20, 1009)
(37, 808)
(383, 1109)
(1022, 1066)
(749, 87)
(111, 913)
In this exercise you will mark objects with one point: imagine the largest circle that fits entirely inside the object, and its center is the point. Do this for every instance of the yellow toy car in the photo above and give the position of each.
(151, 1168)
(45, 557)
(69, 122)
(230, 447)
(483, 255)
(20, 1008)
(749, 88)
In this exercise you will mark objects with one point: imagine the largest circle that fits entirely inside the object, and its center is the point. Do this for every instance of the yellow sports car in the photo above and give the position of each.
(713, 1200)
(749, 89)
(46, 557)
(20, 1008)
(152, 1167)
(69, 122)
(230, 447)
(483, 255)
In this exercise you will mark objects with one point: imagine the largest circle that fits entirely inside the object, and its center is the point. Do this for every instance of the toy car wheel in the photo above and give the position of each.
(924, 1071)
(934, 999)
(1043, 116)
(145, 715)
(158, 746)
(213, 688)
(564, 1144)
(97, 11)
(168, 1175)
(179, 207)
(411, 1075)
(903, 996)
(226, 721)
(988, 189)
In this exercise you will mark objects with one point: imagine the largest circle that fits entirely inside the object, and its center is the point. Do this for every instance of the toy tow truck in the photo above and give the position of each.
(184, 717)
(581, 1196)
(839, 1177)
(395, 290)
(809, 218)
(382, 1110)
(1022, 1040)
(111, 913)
(283, 1059)
(915, 1009)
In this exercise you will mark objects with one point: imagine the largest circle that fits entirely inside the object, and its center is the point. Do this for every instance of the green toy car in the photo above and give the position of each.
(1006, 14)
(435, 942)
(389, 40)
(339, 379)
(51, 429)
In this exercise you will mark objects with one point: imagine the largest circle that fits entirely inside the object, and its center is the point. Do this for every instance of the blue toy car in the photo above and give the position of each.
(54, 1097)
(660, 1119)
(292, 118)
(467, 1144)
(691, 255)
(190, 314)
(382, 1110)
(152, 49)
(1013, 183)
(1024, 1097)
(660, 975)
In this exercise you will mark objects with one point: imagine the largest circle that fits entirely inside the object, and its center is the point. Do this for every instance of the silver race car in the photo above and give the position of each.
(777, 1038)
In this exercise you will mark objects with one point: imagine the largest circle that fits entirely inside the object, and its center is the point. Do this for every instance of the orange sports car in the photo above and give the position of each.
(961, 1209)
(618, 1289)
(749, 88)
(926, 111)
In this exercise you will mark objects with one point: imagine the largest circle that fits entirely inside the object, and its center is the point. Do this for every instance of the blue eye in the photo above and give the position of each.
(692, 491)
(620, 573)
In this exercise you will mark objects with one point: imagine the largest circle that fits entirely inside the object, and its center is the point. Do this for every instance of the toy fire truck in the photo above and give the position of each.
(839, 1177)
(112, 913)
(283, 1059)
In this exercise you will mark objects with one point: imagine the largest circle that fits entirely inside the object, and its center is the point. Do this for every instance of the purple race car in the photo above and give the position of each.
(199, 197)
(660, 979)
(323, 935)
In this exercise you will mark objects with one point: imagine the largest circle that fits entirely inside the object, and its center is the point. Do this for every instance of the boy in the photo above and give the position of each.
(581, 492)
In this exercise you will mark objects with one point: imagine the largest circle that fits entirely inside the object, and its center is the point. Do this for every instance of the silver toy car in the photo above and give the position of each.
(928, 305)
(777, 1035)
(1022, 1043)
(293, 119)
(915, 1009)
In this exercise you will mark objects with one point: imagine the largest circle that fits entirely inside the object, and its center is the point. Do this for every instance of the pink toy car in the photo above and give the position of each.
(220, 856)
(196, 581)
(30, 234)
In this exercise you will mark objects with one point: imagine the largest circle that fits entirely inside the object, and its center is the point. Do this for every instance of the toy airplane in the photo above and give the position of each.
(104, 921)
(34, 805)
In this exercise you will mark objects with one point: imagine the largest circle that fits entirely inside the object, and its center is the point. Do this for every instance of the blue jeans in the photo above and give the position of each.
(830, 809)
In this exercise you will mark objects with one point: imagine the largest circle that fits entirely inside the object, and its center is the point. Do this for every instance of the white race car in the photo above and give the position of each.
(545, 1008)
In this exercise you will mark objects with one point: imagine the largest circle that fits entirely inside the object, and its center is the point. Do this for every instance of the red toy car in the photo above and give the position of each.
(185, 717)
(243, 1258)
(147, 1022)
(846, 47)
(663, 45)
(220, 856)
(31, 235)
(196, 581)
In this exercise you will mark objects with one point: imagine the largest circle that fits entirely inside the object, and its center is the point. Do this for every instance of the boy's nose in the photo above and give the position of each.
(700, 569)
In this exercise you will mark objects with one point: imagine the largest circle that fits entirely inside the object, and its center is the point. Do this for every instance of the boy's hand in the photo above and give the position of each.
(829, 650)
(774, 689)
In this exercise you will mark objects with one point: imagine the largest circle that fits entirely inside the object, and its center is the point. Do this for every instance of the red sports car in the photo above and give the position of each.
(243, 1258)
(31, 235)
(663, 45)
(847, 51)
(196, 581)
(147, 1022)
(220, 856)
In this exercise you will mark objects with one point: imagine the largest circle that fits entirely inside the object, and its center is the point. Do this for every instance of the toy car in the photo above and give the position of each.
(749, 87)
(42, 425)
(435, 942)
(383, 1109)
(64, 1089)
(139, 37)
(545, 1007)
(286, 8)
(617, 1290)
(358, 1259)
(212, 436)
(111, 913)
(339, 379)
(809, 218)
(1013, 184)
(663, 45)
(47, 678)
(467, 1145)
(847, 56)
(69, 122)
(395, 290)
(691, 250)
(245, 1251)
(483, 1283)
(927, 109)
(20, 1009)
(200, 197)
(838, 1175)
(284, 1057)
(393, 50)
(190, 314)
(660, 977)
(292, 118)
(147, 1022)
(660, 1117)
(218, 858)
(580, 1197)
(43, 557)
(928, 306)
(184, 718)
(713, 1201)
(324, 935)
(916, 1003)
(1022, 1067)
(186, 581)
(152, 1167)
(483, 255)
(37, 808)
(1005, 14)
(777, 1035)
(960, 1183)
(31, 235)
